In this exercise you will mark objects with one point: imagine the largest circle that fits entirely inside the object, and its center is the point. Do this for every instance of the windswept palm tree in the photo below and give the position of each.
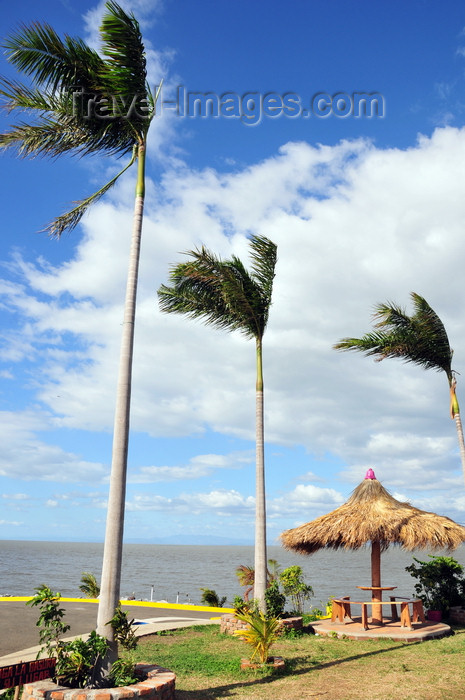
(227, 296)
(81, 102)
(89, 585)
(246, 578)
(420, 339)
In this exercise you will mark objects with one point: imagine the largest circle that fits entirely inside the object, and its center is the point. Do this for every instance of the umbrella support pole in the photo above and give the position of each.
(376, 610)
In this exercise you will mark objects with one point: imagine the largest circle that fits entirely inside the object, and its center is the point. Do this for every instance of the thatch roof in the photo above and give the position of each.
(372, 515)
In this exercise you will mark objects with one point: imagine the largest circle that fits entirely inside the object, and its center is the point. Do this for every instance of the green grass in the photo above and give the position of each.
(207, 666)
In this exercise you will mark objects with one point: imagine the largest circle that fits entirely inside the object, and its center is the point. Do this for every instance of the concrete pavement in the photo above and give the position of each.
(19, 635)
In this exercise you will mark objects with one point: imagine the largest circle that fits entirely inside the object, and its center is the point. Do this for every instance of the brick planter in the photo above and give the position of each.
(292, 623)
(230, 623)
(457, 614)
(273, 661)
(157, 684)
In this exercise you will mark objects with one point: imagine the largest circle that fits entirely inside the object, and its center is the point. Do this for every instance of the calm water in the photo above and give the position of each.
(178, 572)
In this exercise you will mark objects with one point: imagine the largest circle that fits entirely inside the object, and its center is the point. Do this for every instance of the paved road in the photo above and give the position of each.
(18, 630)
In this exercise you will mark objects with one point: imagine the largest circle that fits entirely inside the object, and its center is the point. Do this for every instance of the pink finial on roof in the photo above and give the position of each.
(370, 474)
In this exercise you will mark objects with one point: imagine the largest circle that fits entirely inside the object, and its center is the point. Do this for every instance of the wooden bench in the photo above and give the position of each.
(341, 611)
(418, 614)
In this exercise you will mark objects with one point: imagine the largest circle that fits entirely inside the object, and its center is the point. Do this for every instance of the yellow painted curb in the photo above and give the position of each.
(135, 603)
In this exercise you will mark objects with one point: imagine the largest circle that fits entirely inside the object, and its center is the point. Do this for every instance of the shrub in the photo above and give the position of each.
(294, 586)
(441, 583)
(274, 600)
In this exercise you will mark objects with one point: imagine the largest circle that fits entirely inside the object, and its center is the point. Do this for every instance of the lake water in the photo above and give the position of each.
(178, 572)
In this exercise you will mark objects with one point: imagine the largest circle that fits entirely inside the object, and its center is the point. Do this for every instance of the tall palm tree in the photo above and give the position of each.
(81, 102)
(227, 296)
(420, 339)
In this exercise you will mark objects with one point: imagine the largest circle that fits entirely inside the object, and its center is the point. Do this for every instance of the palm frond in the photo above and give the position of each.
(23, 97)
(420, 339)
(264, 257)
(391, 316)
(38, 51)
(381, 345)
(221, 292)
(71, 219)
(126, 71)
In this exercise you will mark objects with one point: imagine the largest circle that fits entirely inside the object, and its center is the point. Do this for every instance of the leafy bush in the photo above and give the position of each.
(122, 629)
(294, 586)
(122, 672)
(441, 583)
(77, 660)
(50, 619)
(274, 600)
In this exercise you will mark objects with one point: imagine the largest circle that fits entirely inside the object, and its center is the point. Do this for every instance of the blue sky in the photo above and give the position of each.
(363, 209)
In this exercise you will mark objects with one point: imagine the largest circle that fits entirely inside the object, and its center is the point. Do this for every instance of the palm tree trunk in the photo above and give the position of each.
(458, 425)
(260, 507)
(455, 414)
(113, 547)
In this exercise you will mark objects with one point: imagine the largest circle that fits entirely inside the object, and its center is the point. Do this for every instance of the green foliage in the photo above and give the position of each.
(89, 585)
(50, 619)
(263, 631)
(122, 628)
(122, 671)
(222, 292)
(420, 338)
(66, 79)
(9, 693)
(441, 583)
(210, 597)
(246, 577)
(238, 602)
(274, 600)
(294, 586)
(273, 570)
(78, 659)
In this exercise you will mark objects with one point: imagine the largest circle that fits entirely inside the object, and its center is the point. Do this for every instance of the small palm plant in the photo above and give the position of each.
(420, 339)
(263, 631)
(89, 585)
(211, 597)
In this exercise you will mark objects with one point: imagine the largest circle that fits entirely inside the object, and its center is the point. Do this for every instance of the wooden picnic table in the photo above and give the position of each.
(342, 610)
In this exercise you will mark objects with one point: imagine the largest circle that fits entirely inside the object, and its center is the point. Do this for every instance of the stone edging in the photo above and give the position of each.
(158, 684)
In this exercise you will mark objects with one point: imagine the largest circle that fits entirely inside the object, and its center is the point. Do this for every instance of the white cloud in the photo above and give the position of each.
(199, 466)
(354, 225)
(304, 498)
(26, 457)
(195, 503)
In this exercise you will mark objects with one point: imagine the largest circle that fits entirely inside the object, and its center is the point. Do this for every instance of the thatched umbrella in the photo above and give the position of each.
(372, 515)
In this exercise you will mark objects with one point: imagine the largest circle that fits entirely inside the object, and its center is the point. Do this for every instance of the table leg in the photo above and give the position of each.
(394, 615)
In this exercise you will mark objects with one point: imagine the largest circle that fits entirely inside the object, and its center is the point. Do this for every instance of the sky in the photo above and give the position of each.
(340, 135)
